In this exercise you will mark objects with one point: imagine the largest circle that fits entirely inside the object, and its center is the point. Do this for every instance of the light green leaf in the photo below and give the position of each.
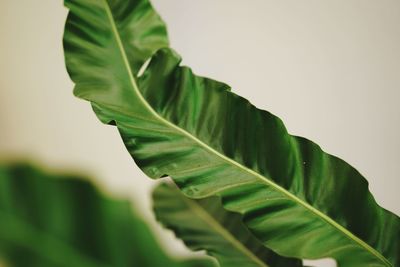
(59, 220)
(298, 200)
(204, 225)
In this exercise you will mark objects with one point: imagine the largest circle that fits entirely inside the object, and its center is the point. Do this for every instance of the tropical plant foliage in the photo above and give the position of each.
(204, 225)
(295, 198)
(63, 221)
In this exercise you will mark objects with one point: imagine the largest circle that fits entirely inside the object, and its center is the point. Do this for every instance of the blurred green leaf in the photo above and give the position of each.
(53, 220)
(204, 225)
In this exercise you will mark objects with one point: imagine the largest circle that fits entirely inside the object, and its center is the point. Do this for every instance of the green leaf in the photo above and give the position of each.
(90, 41)
(53, 220)
(298, 200)
(205, 225)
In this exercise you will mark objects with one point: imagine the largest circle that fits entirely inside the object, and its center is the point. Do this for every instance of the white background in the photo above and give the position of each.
(329, 69)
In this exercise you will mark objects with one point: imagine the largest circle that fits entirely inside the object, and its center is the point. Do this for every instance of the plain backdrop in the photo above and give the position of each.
(329, 69)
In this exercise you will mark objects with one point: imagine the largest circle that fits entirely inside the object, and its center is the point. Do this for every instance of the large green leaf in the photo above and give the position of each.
(295, 198)
(204, 225)
(52, 220)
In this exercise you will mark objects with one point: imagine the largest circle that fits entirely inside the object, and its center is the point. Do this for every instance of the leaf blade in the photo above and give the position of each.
(167, 128)
(59, 220)
(205, 225)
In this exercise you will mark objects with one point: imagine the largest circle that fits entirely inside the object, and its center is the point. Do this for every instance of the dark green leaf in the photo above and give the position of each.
(295, 198)
(52, 220)
(205, 225)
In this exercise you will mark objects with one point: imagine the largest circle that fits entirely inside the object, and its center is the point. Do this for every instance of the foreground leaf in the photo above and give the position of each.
(295, 198)
(95, 58)
(49, 220)
(205, 225)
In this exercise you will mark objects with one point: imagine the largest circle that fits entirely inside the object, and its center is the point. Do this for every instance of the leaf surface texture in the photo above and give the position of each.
(204, 225)
(298, 200)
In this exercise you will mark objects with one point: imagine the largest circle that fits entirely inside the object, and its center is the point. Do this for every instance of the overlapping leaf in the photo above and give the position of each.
(295, 198)
(52, 220)
(204, 225)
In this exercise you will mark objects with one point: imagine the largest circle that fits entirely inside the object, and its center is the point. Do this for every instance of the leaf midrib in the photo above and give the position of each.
(209, 220)
(265, 180)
